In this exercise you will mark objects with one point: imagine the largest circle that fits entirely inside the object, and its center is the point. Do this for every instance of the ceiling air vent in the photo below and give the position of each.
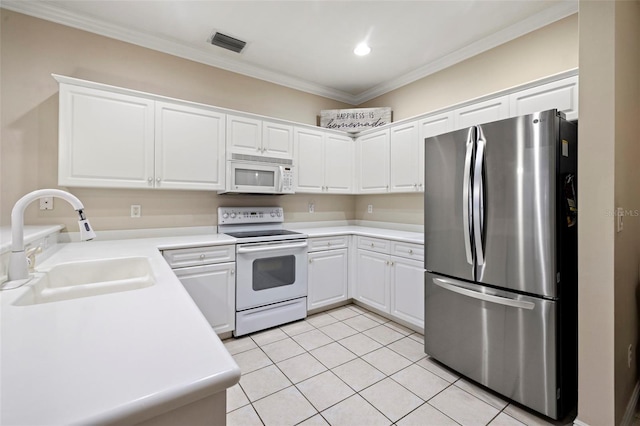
(227, 42)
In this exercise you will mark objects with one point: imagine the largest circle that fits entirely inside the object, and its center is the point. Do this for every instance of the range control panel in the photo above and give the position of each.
(248, 215)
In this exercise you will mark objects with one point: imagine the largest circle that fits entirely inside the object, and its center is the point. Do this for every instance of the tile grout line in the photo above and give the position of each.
(403, 336)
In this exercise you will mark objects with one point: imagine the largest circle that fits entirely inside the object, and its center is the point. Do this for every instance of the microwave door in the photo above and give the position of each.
(253, 178)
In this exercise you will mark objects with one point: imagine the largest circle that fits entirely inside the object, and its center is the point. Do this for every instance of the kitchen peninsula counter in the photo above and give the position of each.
(124, 357)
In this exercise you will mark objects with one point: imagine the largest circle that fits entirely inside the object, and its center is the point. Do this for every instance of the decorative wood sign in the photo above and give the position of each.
(354, 120)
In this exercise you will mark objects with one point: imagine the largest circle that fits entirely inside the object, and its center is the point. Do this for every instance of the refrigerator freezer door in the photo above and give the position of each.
(505, 341)
(518, 204)
(447, 204)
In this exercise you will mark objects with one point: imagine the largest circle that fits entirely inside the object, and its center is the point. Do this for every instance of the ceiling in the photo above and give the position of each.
(308, 44)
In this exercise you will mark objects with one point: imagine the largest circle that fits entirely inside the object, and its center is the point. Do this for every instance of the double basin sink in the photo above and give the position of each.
(74, 280)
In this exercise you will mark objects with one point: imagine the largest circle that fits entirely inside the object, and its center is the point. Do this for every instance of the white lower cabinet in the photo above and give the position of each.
(372, 284)
(407, 290)
(328, 271)
(211, 286)
(328, 278)
(390, 278)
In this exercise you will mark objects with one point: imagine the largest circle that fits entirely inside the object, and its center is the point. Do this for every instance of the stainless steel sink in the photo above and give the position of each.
(88, 278)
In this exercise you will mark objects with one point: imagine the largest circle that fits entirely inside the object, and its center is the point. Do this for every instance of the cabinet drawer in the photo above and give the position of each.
(374, 244)
(408, 250)
(328, 243)
(179, 258)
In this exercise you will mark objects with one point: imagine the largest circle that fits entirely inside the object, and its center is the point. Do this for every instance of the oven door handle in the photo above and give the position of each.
(271, 247)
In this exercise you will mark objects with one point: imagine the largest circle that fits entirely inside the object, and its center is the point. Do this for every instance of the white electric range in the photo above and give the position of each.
(271, 265)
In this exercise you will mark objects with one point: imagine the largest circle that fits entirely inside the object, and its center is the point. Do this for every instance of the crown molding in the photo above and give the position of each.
(47, 11)
(546, 17)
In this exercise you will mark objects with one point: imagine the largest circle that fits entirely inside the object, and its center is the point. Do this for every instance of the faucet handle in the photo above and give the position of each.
(31, 256)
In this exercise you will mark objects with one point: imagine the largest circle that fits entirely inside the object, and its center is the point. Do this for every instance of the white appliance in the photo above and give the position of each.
(259, 175)
(271, 265)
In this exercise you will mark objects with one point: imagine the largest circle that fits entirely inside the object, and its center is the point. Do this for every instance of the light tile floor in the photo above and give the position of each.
(349, 366)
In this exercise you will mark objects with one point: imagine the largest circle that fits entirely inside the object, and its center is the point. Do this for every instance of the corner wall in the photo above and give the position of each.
(608, 261)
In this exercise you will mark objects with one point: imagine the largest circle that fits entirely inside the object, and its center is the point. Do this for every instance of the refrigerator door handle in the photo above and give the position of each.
(451, 286)
(478, 198)
(466, 199)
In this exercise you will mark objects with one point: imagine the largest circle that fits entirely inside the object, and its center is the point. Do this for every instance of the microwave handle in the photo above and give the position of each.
(281, 179)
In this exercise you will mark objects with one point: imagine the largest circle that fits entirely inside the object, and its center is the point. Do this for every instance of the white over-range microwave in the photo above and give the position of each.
(251, 174)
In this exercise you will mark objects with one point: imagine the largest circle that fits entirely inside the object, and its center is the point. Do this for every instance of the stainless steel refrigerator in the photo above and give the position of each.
(500, 223)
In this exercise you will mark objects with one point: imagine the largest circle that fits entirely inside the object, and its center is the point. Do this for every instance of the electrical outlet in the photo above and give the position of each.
(136, 210)
(370, 208)
(629, 355)
(46, 203)
(312, 207)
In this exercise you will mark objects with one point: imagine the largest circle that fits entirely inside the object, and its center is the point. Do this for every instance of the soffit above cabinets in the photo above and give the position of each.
(308, 45)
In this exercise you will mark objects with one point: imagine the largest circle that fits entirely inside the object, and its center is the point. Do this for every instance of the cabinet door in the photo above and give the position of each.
(432, 126)
(407, 290)
(277, 140)
(189, 147)
(482, 112)
(339, 162)
(404, 158)
(309, 154)
(372, 281)
(373, 162)
(327, 277)
(244, 135)
(106, 139)
(212, 288)
(561, 95)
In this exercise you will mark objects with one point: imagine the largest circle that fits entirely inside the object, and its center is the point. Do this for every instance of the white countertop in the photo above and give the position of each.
(115, 358)
(120, 357)
(391, 234)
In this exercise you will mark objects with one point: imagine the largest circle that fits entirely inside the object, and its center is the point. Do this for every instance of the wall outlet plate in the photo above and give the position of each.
(312, 207)
(370, 208)
(136, 210)
(46, 203)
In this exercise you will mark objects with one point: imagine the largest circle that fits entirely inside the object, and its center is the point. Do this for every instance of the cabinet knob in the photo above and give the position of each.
(310, 260)
(410, 251)
(202, 256)
(158, 179)
(233, 271)
(150, 179)
(329, 243)
(372, 244)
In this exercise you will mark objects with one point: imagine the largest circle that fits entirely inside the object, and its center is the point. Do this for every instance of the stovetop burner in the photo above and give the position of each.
(267, 233)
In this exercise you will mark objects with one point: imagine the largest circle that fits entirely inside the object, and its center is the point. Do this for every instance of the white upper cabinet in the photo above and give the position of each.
(405, 158)
(482, 112)
(373, 162)
(435, 125)
(339, 164)
(189, 151)
(105, 139)
(244, 135)
(277, 140)
(324, 162)
(110, 139)
(561, 95)
(252, 136)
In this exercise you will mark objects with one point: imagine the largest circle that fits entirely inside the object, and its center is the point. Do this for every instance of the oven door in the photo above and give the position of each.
(270, 272)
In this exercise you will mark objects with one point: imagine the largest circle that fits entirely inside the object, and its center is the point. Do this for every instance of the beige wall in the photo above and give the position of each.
(608, 163)
(32, 49)
(547, 51)
(627, 196)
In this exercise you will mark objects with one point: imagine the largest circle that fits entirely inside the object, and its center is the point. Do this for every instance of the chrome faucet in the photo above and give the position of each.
(18, 265)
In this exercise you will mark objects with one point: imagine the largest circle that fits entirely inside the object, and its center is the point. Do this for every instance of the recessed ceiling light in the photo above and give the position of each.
(362, 49)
